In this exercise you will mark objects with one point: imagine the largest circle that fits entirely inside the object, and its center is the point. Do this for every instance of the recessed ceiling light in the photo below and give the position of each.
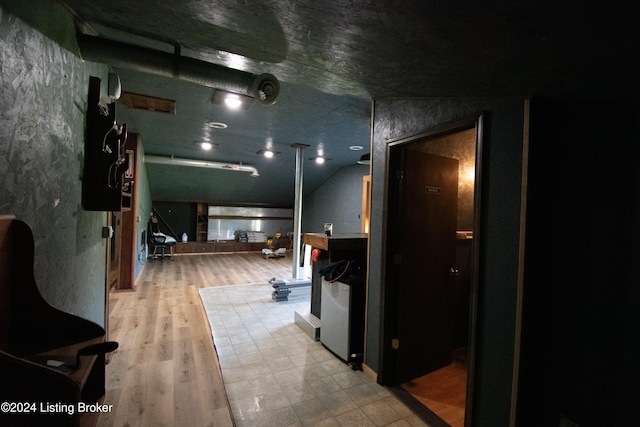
(356, 147)
(268, 153)
(218, 125)
(320, 159)
(205, 145)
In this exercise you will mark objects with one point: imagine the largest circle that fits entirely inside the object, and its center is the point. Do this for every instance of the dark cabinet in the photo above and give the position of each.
(210, 247)
(107, 182)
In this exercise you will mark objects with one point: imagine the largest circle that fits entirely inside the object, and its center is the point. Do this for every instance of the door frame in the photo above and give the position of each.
(112, 265)
(390, 307)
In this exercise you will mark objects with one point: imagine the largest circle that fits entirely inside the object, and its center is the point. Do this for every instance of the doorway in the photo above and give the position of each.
(112, 265)
(431, 278)
(114, 241)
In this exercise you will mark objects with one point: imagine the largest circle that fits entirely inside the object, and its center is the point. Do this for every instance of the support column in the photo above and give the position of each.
(297, 211)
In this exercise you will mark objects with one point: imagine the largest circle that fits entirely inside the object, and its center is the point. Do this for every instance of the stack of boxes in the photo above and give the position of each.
(250, 236)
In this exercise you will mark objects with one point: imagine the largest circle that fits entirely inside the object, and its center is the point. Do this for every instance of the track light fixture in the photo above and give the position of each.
(231, 100)
(365, 159)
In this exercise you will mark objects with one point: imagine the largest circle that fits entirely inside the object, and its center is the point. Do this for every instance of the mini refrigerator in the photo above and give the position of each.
(342, 312)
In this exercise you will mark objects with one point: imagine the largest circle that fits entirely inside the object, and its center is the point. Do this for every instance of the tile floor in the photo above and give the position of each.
(276, 375)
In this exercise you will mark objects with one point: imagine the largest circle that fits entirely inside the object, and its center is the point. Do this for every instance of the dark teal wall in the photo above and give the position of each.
(42, 104)
(338, 201)
(499, 235)
(180, 216)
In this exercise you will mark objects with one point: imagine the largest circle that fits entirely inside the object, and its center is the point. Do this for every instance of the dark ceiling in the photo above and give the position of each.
(332, 57)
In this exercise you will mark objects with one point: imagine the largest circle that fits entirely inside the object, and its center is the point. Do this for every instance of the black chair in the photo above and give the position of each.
(160, 244)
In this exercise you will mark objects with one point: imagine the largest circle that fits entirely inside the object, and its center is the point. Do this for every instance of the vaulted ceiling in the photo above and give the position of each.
(331, 58)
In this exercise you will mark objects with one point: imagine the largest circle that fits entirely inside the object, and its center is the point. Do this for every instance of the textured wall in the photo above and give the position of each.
(42, 103)
(499, 234)
(338, 201)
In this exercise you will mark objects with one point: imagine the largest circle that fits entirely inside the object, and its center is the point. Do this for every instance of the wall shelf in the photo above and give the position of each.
(108, 178)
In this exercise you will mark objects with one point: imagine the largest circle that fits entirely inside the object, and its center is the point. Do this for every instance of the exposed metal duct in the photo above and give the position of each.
(264, 87)
(162, 160)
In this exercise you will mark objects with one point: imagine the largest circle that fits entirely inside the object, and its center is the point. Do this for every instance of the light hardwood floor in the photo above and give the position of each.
(166, 372)
(444, 391)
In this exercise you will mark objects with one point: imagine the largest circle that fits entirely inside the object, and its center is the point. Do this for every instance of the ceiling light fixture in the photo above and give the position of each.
(320, 159)
(231, 100)
(356, 147)
(268, 153)
(365, 159)
(218, 125)
(205, 145)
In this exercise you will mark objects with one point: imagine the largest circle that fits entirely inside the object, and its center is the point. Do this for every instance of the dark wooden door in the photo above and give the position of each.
(425, 255)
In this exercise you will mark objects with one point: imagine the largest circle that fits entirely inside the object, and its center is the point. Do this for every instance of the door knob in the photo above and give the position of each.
(454, 271)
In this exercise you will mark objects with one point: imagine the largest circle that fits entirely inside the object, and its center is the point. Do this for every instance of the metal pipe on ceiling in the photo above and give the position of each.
(263, 87)
(162, 160)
